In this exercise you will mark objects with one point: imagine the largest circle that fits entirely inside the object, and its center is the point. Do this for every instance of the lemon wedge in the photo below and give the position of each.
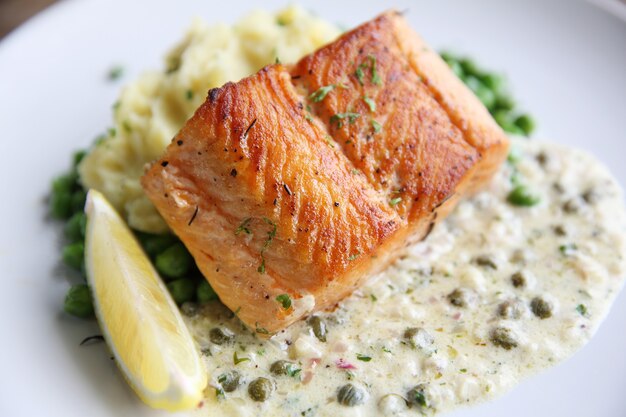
(140, 322)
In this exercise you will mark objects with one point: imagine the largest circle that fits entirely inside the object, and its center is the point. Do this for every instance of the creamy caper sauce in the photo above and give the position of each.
(497, 292)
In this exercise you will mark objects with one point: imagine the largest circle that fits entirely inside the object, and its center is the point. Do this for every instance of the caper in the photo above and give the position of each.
(541, 308)
(511, 309)
(418, 338)
(230, 381)
(542, 158)
(486, 261)
(417, 396)
(189, 308)
(521, 256)
(318, 326)
(219, 336)
(283, 367)
(573, 205)
(349, 395)
(461, 297)
(503, 337)
(519, 280)
(260, 389)
(591, 196)
(560, 230)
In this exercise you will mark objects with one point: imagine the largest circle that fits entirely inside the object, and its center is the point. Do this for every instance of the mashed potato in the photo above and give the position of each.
(153, 108)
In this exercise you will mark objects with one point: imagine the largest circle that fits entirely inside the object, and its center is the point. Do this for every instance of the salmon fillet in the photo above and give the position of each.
(292, 186)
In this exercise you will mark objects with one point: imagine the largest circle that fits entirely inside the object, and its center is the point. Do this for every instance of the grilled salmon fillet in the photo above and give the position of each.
(292, 186)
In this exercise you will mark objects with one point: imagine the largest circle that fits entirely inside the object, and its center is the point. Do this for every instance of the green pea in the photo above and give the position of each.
(504, 101)
(457, 69)
(174, 262)
(486, 96)
(473, 83)
(349, 395)
(492, 81)
(502, 117)
(65, 183)
(522, 196)
(204, 292)
(182, 290)
(526, 123)
(78, 201)
(470, 67)
(78, 301)
(60, 205)
(75, 227)
(155, 244)
(260, 389)
(448, 57)
(513, 129)
(74, 255)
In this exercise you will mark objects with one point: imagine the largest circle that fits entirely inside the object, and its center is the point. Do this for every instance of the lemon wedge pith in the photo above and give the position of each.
(140, 322)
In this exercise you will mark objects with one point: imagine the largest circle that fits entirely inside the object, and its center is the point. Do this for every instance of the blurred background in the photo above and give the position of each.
(14, 12)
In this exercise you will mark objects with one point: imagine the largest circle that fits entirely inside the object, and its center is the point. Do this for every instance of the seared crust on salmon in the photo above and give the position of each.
(300, 183)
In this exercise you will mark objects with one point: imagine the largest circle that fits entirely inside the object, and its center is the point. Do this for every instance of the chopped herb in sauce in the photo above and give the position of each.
(284, 300)
(582, 310)
(395, 201)
(237, 360)
(363, 358)
(189, 94)
(568, 249)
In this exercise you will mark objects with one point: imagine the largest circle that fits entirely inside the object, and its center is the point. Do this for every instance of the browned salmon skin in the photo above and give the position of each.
(292, 186)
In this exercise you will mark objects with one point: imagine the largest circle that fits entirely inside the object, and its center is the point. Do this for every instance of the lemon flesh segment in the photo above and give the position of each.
(139, 319)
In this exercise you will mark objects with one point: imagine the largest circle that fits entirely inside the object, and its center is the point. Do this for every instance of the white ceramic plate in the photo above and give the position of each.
(567, 64)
